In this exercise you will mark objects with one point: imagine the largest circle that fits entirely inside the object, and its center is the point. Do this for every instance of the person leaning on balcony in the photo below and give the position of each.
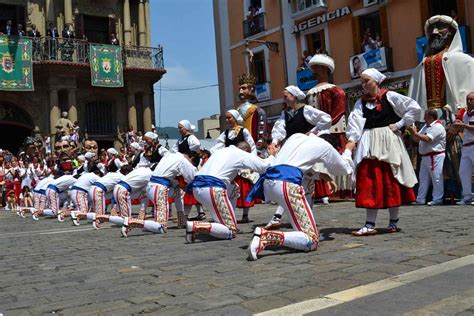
(114, 40)
(8, 30)
(20, 31)
(368, 43)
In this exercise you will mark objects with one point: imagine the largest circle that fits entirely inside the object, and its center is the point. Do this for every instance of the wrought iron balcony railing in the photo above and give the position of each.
(77, 51)
(254, 25)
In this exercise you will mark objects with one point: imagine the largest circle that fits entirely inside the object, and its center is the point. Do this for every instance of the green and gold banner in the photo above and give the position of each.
(16, 72)
(106, 66)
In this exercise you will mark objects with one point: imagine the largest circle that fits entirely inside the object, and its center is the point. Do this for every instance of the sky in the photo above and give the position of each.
(185, 29)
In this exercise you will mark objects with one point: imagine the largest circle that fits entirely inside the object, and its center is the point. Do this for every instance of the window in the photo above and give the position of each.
(443, 7)
(370, 31)
(258, 67)
(315, 43)
(15, 13)
(302, 5)
(99, 119)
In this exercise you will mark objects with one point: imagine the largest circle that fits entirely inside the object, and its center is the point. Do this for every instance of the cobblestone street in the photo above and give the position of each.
(51, 267)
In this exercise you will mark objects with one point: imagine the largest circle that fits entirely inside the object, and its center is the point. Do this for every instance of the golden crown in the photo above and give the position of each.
(247, 79)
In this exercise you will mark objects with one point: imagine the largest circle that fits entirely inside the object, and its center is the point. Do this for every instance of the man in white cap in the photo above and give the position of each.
(431, 141)
(187, 142)
(163, 184)
(442, 81)
(298, 117)
(331, 99)
(384, 171)
(282, 183)
(210, 188)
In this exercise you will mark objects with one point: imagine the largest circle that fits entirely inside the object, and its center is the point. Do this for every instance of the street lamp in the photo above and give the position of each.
(273, 46)
(208, 136)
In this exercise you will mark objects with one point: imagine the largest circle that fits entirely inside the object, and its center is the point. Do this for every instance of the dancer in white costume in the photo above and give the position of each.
(162, 184)
(467, 158)
(210, 187)
(432, 147)
(132, 186)
(39, 196)
(56, 194)
(101, 191)
(282, 183)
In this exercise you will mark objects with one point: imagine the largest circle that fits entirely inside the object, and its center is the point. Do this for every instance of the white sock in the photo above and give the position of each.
(117, 220)
(220, 231)
(152, 226)
(91, 216)
(371, 216)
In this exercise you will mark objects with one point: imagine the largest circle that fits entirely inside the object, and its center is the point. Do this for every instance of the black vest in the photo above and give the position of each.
(183, 145)
(112, 167)
(239, 138)
(297, 124)
(375, 118)
(155, 155)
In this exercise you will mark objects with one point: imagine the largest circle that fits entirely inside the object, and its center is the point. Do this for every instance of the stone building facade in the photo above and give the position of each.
(65, 85)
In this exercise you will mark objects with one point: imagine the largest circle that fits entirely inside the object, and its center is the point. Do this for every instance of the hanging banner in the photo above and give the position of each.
(16, 72)
(106, 66)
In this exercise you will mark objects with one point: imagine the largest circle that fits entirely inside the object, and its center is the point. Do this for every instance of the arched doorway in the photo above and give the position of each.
(15, 125)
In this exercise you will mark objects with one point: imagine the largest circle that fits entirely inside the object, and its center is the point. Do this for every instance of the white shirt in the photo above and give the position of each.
(43, 184)
(86, 180)
(303, 151)
(64, 182)
(437, 135)
(405, 107)
(220, 141)
(110, 180)
(226, 163)
(468, 135)
(321, 121)
(138, 178)
(173, 165)
(193, 142)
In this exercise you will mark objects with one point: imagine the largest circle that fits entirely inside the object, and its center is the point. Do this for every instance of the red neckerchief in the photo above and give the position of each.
(377, 99)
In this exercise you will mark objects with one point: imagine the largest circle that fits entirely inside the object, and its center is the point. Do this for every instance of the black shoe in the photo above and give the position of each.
(200, 217)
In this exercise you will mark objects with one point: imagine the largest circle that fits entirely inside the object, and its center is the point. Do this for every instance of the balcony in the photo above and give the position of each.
(77, 51)
(379, 58)
(254, 25)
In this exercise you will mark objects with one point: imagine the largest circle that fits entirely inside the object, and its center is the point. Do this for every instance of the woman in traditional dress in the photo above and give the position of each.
(232, 136)
(384, 172)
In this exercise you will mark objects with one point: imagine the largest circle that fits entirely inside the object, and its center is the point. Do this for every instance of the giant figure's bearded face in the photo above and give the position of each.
(440, 36)
(246, 92)
(91, 146)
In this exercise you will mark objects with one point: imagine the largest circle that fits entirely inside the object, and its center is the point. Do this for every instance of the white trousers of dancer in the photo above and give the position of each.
(123, 201)
(219, 205)
(158, 194)
(308, 185)
(431, 172)
(465, 171)
(80, 199)
(291, 197)
(54, 200)
(98, 198)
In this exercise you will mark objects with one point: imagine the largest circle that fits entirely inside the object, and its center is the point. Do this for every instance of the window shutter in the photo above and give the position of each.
(356, 35)
(112, 28)
(384, 28)
(79, 26)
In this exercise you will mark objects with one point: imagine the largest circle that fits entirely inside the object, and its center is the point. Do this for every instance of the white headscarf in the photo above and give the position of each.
(236, 116)
(136, 146)
(151, 135)
(89, 155)
(187, 125)
(374, 74)
(294, 90)
(112, 151)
